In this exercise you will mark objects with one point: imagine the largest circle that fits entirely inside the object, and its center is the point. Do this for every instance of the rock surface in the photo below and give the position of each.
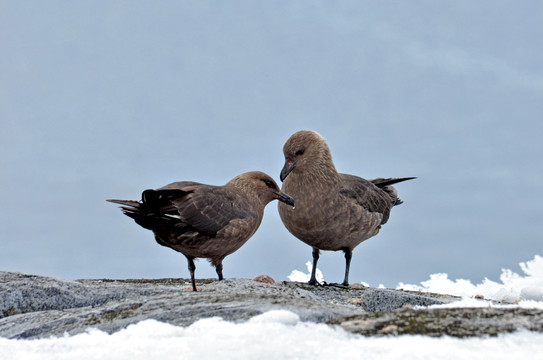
(458, 322)
(36, 306)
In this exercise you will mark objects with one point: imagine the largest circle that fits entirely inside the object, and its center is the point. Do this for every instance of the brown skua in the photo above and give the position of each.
(333, 211)
(205, 221)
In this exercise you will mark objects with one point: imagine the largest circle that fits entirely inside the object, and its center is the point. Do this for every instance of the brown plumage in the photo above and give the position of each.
(333, 211)
(205, 221)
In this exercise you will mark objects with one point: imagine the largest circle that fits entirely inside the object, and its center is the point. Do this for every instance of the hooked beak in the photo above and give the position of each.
(289, 166)
(281, 196)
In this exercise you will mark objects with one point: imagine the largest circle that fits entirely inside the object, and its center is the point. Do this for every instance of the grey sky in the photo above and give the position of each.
(103, 99)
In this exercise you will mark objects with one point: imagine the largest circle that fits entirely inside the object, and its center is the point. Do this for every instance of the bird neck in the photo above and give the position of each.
(250, 194)
(321, 178)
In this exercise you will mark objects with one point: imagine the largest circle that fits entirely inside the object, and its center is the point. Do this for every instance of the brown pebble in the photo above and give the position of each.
(264, 279)
(354, 301)
(357, 286)
(389, 329)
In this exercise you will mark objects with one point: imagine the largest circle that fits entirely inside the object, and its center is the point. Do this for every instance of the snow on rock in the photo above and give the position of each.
(514, 288)
(297, 275)
(277, 316)
(278, 337)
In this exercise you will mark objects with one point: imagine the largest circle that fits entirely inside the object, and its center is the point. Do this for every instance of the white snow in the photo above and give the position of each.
(281, 335)
(523, 290)
(273, 335)
(297, 275)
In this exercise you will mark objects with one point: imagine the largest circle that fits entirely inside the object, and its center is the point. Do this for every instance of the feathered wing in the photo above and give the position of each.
(198, 208)
(369, 195)
(179, 185)
(211, 209)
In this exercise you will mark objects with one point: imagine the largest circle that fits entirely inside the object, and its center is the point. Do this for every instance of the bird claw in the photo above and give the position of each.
(341, 286)
(324, 283)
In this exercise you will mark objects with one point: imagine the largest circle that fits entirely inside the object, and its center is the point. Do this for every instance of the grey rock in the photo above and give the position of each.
(458, 322)
(37, 307)
(21, 293)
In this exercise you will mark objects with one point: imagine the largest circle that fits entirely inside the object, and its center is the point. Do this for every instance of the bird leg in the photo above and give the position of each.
(192, 267)
(345, 283)
(348, 255)
(218, 268)
(313, 279)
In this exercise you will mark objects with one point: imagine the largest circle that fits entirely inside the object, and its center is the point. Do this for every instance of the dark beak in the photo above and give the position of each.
(281, 196)
(289, 166)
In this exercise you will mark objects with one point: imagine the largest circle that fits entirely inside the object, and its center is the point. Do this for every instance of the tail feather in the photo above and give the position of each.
(149, 217)
(130, 211)
(131, 208)
(390, 190)
(131, 203)
(381, 182)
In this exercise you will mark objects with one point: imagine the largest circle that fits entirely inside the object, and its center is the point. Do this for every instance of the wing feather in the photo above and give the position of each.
(367, 195)
(209, 209)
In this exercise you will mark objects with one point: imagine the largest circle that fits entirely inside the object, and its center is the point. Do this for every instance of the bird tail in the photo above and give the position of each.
(139, 211)
(131, 208)
(154, 211)
(385, 184)
(381, 182)
(131, 203)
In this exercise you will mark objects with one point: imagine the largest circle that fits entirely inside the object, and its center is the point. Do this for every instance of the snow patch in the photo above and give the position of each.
(299, 276)
(276, 316)
(513, 288)
(273, 335)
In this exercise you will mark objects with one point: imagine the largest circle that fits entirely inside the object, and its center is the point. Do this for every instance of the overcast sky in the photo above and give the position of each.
(103, 99)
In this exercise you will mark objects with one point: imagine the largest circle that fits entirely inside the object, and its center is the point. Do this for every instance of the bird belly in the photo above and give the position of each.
(198, 245)
(326, 228)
